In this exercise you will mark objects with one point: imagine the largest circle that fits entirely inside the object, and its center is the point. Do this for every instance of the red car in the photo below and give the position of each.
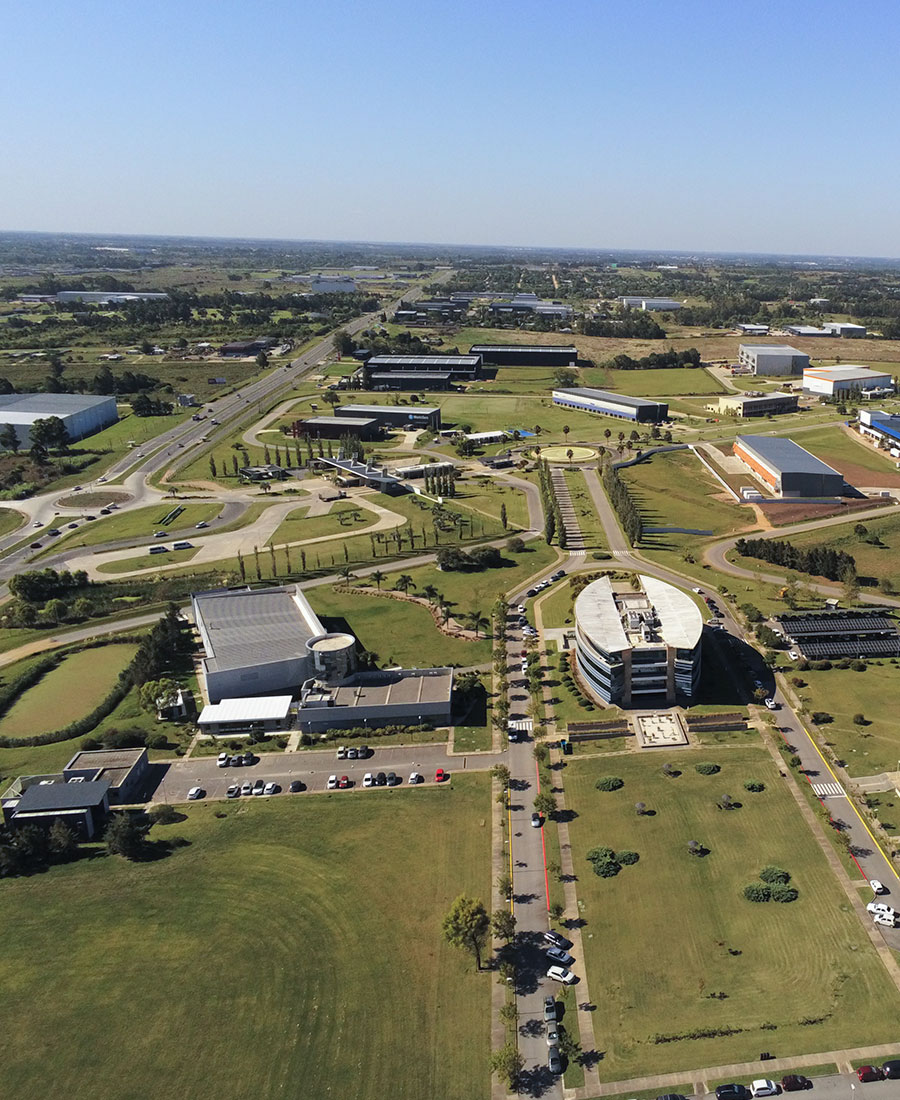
(343, 783)
(440, 775)
(869, 1073)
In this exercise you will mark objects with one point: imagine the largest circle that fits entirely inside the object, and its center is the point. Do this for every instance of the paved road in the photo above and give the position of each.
(310, 766)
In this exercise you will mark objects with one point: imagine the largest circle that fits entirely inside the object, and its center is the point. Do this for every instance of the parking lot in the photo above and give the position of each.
(312, 768)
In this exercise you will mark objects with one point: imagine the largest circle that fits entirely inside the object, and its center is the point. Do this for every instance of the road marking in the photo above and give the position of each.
(829, 790)
(522, 725)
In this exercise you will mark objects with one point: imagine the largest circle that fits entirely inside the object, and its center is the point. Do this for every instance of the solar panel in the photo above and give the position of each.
(799, 626)
(862, 647)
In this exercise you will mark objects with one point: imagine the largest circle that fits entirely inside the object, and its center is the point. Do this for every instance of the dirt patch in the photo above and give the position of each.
(859, 475)
(99, 499)
(779, 515)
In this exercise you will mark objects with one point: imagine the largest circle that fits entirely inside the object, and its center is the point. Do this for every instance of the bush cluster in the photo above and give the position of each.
(607, 863)
(773, 887)
(707, 768)
(609, 783)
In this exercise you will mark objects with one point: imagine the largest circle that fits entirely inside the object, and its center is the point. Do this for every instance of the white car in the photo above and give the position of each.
(415, 778)
(877, 887)
(762, 1087)
(332, 783)
(699, 591)
(202, 525)
(222, 760)
(194, 793)
(793, 654)
(883, 918)
(771, 704)
(368, 781)
(101, 480)
(341, 753)
(522, 609)
(269, 788)
(560, 974)
(37, 523)
(880, 907)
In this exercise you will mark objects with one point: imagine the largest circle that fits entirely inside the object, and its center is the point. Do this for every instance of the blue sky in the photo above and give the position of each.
(692, 125)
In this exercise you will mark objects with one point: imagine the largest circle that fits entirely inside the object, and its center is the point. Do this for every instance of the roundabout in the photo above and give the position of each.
(562, 454)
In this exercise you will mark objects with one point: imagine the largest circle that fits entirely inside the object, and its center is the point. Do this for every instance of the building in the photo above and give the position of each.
(642, 301)
(261, 642)
(431, 311)
(482, 439)
(410, 380)
(526, 303)
(423, 469)
(410, 696)
(820, 302)
(845, 330)
(400, 416)
(187, 400)
(351, 472)
(755, 404)
(787, 469)
(107, 297)
(882, 427)
(82, 414)
(638, 648)
(753, 330)
(847, 378)
(638, 409)
(806, 330)
(459, 367)
(772, 359)
(263, 714)
(526, 355)
(332, 284)
(125, 770)
(244, 349)
(267, 472)
(336, 427)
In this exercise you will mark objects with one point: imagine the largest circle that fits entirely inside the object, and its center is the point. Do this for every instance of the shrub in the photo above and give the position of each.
(821, 717)
(609, 783)
(756, 891)
(607, 869)
(772, 874)
(754, 786)
(859, 719)
(707, 768)
(782, 892)
(164, 814)
(157, 741)
(858, 666)
(627, 858)
(600, 855)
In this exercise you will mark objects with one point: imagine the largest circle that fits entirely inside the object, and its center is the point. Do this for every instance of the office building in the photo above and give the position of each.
(396, 416)
(881, 427)
(845, 330)
(336, 427)
(776, 359)
(586, 399)
(753, 330)
(786, 469)
(755, 404)
(458, 367)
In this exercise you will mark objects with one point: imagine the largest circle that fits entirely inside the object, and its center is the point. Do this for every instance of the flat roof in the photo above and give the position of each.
(750, 399)
(411, 685)
(438, 360)
(600, 613)
(346, 421)
(479, 349)
(62, 796)
(262, 708)
(50, 404)
(844, 373)
(247, 627)
(606, 395)
(775, 349)
(113, 765)
(410, 410)
(423, 375)
(784, 454)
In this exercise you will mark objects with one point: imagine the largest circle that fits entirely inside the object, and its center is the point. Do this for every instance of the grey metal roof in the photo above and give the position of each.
(784, 454)
(449, 361)
(262, 627)
(50, 404)
(264, 708)
(62, 796)
(480, 349)
(346, 421)
(774, 349)
(425, 375)
(378, 410)
(606, 395)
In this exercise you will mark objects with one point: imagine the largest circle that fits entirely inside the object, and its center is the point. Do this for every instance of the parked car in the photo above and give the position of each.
(259, 786)
(362, 753)
(194, 793)
(295, 786)
(414, 778)
(560, 974)
(341, 753)
(233, 791)
(884, 919)
(891, 1069)
(331, 785)
(877, 887)
(880, 907)
(556, 940)
(368, 780)
(795, 1082)
(553, 1062)
(868, 1073)
(270, 788)
(762, 1086)
(351, 754)
(671, 1096)
(344, 783)
(223, 760)
(521, 609)
(247, 788)
(536, 820)
(793, 655)
(549, 1009)
(380, 780)
(771, 704)
(249, 759)
(732, 1092)
(392, 779)
(440, 775)
(557, 955)
(236, 761)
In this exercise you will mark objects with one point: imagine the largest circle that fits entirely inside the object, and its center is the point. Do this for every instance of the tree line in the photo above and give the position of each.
(820, 561)
(553, 523)
(671, 359)
(622, 501)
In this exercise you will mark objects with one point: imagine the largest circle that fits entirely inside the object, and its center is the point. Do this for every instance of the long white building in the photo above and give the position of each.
(847, 378)
(82, 414)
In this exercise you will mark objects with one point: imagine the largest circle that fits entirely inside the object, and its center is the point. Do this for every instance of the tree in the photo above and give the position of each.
(507, 1063)
(545, 803)
(503, 520)
(466, 925)
(403, 583)
(50, 432)
(61, 842)
(9, 439)
(156, 694)
(262, 360)
(640, 808)
(377, 577)
(503, 924)
(125, 836)
(500, 772)
(56, 610)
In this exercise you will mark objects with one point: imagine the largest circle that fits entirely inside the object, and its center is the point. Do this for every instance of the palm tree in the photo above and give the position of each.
(403, 583)
(607, 433)
(346, 572)
(566, 429)
(430, 593)
(378, 577)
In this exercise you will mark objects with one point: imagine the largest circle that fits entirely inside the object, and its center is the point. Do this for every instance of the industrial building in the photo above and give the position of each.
(848, 378)
(806, 330)
(350, 472)
(787, 469)
(845, 330)
(638, 648)
(244, 349)
(459, 367)
(755, 404)
(431, 311)
(526, 303)
(82, 414)
(332, 284)
(526, 355)
(410, 380)
(749, 329)
(263, 714)
(641, 301)
(400, 416)
(882, 427)
(612, 404)
(407, 695)
(772, 358)
(336, 427)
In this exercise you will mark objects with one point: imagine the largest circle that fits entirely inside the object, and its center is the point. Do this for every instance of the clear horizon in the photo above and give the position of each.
(701, 129)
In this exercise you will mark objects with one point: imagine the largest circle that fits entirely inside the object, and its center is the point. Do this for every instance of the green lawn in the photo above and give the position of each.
(586, 513)
(665, 935)
(868, 749)
(67, 692)
(879, 559)
(487, 413)
(139, 523)
(485, 494)
(270, 955)
(840, 450)
(146, 561)
(10, 521)
(653, 383)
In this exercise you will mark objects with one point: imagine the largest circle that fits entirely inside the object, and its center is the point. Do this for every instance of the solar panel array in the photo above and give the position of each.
(860, 647)
(802, 626)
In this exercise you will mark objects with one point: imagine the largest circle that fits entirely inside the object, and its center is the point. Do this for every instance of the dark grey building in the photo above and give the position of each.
(459, 367)
(335, 427)
(404, 416)
(786, 468)
(83, 806)
(526, 355)
(410, 380)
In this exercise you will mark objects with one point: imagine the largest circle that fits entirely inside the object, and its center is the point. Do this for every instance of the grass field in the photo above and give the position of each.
(653, 383)
(838, 449)
(339, 985)
(146, 561)
(67, 692)
(719, 961)
(486, 494)
(345, 517)
(877, 560)
(585, 512)
(488, 413)
(10, 521)
(139, 523)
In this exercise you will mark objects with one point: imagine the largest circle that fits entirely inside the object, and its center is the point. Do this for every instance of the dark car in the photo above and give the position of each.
(35, 546)
(392, 779)
(362, 753)
(796, 1082)
(732, 1092)
(236, 761)
(891, 1069)
(249, 758)
(380, 780)
(868, 1073)
(295, 786)
(553, 1062)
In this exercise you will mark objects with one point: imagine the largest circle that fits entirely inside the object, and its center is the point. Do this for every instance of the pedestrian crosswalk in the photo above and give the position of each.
(829, 790)
(521, 725)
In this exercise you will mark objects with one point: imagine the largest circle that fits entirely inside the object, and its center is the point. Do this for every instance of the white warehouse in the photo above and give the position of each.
(81, 414)
(847, 378)
(772, 358)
